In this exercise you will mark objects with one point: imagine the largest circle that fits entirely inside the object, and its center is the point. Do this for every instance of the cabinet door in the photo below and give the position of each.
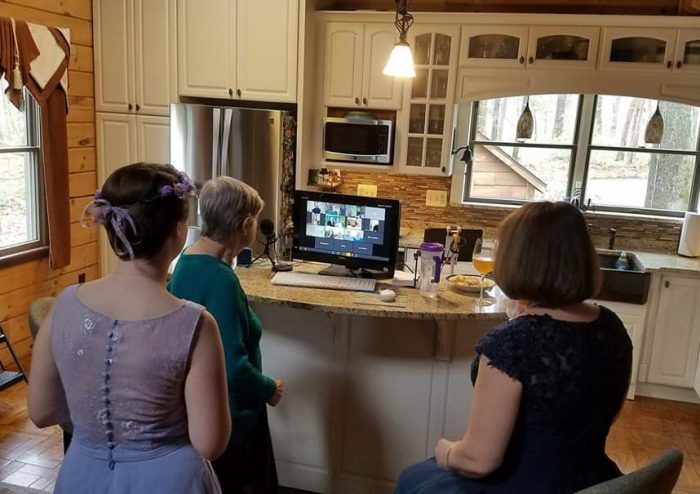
(154, 55)
(631, 48)
(205, 48)
(429, 101)
(343, 71)
(635, 327)
(153, 139)
(674, 353)
(493, 46)
(116, 147)
(563, 47)
(688, 51)
(378, 90)
(266, 51)
(114, 68)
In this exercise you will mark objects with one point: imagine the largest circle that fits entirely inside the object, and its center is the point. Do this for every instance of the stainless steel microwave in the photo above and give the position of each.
(358, 140)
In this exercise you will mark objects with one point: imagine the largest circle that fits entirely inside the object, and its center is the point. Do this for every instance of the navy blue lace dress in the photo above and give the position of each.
(574, 378)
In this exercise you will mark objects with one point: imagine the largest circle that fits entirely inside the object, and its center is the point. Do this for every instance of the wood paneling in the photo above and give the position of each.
(625, 7)
(20, 284)
(80, 29)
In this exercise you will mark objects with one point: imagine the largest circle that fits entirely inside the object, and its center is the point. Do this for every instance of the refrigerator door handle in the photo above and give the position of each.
(228, 121)
(215, 142)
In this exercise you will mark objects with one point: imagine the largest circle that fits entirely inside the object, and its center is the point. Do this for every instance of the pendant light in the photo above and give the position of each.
(526, 123)
(400, 63)
(655, 128)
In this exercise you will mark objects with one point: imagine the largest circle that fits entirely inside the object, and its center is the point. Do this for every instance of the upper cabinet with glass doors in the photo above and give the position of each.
(530, 46)
(429, 101)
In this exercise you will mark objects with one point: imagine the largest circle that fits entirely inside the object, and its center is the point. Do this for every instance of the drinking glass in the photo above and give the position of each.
(483, 260)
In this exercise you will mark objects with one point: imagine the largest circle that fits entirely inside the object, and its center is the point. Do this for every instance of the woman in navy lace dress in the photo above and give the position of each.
(548, 384)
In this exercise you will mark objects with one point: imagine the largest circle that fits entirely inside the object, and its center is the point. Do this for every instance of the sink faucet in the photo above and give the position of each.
(611, 238)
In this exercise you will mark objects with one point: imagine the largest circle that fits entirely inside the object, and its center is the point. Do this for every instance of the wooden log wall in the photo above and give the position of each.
(20, 284)
(622, 7)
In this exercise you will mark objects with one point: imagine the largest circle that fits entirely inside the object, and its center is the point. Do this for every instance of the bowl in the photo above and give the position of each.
(469, 283)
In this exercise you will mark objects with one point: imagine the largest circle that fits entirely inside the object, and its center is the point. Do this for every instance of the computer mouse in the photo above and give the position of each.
(387, 295)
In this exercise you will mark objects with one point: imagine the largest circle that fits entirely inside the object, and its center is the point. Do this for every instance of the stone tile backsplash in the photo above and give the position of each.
(638, 233)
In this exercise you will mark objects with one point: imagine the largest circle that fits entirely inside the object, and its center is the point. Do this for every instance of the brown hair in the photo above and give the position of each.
(545, 255)
(136, 188)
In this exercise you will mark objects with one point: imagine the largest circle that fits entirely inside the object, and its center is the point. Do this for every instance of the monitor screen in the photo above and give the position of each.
(353, 231)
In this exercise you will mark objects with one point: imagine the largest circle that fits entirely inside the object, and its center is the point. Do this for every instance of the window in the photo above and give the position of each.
(586, 147)
(21, 203)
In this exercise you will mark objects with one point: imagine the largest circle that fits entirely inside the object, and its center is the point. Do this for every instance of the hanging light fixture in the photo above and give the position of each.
(526, 123)
(400, 63)
(655, 128)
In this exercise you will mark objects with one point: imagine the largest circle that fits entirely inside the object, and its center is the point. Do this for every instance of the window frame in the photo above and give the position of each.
(36, 197)
(578, 170)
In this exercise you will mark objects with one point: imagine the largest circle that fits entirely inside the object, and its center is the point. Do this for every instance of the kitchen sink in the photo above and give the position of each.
(630, 286)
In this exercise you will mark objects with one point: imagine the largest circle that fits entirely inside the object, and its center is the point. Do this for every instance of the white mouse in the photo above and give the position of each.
(387, 295)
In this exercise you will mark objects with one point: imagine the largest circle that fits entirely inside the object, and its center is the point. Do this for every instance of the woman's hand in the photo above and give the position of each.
(278, 393)
(442, 452)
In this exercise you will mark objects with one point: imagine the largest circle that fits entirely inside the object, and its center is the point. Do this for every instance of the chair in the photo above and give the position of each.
(468, 236)
(658, 477)
(37, 312)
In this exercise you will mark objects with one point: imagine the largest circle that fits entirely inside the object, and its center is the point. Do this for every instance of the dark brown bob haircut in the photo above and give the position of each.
(545, 256)
(136, 188)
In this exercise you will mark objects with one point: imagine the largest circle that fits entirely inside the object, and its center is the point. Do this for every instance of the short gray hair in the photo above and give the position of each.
(224, 204)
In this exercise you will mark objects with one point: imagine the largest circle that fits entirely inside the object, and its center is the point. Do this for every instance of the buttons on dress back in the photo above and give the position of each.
(112, 337)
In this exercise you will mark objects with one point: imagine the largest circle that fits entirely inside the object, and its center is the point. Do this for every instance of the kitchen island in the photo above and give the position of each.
(368, 388)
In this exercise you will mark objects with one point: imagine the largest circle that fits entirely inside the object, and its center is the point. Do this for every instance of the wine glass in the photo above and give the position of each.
(483, 261)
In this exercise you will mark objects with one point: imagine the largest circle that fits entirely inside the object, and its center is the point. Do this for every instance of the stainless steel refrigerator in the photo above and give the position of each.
(248, 144)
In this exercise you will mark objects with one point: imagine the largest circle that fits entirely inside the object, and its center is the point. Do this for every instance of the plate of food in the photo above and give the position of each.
(469, 282)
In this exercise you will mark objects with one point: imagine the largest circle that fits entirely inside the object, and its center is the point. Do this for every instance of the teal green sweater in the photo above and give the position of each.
(212, 283)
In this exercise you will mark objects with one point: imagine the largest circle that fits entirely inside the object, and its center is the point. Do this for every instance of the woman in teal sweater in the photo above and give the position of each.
(230, 210)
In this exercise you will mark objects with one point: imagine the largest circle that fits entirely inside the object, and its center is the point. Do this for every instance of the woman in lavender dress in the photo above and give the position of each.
(139, 372)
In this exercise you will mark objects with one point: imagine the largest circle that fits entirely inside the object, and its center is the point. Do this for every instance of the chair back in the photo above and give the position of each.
(468, 236)
(37, 312)
(658, 477)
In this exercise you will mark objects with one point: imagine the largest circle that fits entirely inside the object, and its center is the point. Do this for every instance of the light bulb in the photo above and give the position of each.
(400, 62)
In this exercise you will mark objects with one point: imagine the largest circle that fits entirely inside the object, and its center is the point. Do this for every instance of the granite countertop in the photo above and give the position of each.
(409, 304)
(411, 238)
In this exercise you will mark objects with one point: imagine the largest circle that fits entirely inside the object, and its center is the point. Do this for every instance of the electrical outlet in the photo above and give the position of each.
(436, 198)
(367, 190)
(81, 278)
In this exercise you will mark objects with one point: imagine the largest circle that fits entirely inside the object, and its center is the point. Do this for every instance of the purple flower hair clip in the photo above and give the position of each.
(180, 189)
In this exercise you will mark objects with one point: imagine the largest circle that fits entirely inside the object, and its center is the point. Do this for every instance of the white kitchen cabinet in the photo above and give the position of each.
(429, 101)
(123, 139)
(241, 49)
(633, 48)
(687, 57)
(676, 333)
(134, 56)
(355, 56)
(537, 46)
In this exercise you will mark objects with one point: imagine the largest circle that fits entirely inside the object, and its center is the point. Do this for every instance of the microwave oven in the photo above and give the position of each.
(358, 140)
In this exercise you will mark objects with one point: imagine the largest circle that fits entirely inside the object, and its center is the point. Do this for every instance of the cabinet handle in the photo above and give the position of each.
(230, 92)
(679, 64)
(364, 101)
(521, 60)
(667, 284)
(131, 107)
(238, 93)
(531, 60)
(138, 107)
(357, 101)
(669, 64)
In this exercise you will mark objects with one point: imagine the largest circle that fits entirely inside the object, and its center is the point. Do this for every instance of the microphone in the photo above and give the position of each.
(267, 227)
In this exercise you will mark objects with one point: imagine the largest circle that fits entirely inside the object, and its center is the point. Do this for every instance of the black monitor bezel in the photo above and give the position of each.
(349, 262)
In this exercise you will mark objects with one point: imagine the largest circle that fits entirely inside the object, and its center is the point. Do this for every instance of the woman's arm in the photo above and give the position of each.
(492, 417)
(208, 418)
(46, 400)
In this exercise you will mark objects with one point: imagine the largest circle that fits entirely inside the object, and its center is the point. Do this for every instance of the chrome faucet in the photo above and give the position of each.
(611, 238)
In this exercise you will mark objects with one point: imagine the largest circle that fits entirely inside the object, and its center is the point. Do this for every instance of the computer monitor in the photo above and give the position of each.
(361, 234)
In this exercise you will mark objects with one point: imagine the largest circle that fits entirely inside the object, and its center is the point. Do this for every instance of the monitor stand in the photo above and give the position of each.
(338, 270)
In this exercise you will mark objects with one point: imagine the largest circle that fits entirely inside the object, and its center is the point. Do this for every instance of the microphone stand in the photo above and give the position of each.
(269, 242)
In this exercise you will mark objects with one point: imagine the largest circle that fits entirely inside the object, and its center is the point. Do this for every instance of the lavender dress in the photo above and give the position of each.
(124, 383)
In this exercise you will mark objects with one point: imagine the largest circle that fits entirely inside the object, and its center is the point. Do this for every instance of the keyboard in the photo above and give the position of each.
(308, 280)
